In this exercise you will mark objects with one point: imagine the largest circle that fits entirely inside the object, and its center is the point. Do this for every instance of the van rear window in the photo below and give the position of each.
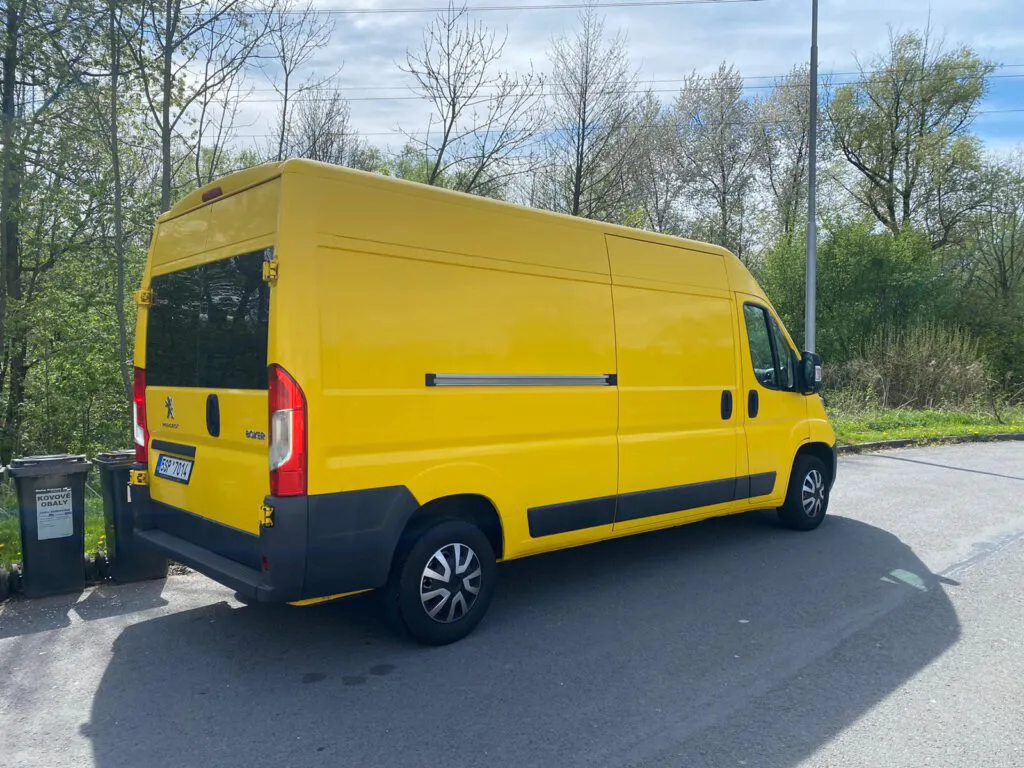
(208, 326)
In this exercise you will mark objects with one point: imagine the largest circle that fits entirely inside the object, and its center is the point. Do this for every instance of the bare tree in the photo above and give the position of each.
(656, 174)
(995, 252)
(216, 114)
(783, 147)
(297, 31)
(166, 38)
(321, 130)
(717, 154)
(482, 118)
(592, 107)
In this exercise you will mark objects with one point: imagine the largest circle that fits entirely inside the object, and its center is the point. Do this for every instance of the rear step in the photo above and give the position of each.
(246, 581)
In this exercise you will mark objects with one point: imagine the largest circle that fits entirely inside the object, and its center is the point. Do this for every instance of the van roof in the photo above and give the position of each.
(740, 278)
(227, 185)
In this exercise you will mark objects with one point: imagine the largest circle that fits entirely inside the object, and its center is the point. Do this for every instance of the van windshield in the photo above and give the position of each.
(208, 326)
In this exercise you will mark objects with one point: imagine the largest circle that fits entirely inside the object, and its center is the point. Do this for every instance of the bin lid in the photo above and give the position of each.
(38, 466)
(116, 457)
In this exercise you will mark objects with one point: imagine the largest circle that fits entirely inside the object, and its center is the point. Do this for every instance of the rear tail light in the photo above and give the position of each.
(288, 422)
(140, 427)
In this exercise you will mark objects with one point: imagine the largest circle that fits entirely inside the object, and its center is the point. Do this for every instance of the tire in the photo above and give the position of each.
(419, 592)
(808, 495)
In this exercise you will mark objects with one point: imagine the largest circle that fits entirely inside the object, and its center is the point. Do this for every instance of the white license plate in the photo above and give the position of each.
(171, 468)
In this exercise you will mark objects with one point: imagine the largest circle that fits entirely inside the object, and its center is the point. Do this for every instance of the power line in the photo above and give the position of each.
(488, 8)
(780, 77)
(492, 97)
(357, 134)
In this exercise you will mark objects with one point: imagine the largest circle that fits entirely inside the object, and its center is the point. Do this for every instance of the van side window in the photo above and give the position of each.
(759, 336)
(773, 358)
(786, 361)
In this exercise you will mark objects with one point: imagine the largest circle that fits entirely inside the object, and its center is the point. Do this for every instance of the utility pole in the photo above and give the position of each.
(810, 305)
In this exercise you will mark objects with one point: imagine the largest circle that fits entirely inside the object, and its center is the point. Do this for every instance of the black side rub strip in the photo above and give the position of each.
(571, 516)
(589, 513)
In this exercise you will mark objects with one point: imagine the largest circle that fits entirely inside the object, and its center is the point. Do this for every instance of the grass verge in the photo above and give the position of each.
(10, 530)
(874, 426)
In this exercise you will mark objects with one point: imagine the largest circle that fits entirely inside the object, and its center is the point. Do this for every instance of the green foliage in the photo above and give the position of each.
(904, 129)
(866, 280)
(74, 396)
(999, 327)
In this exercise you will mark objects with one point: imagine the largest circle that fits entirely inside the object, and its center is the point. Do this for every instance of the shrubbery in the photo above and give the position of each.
(926, 366)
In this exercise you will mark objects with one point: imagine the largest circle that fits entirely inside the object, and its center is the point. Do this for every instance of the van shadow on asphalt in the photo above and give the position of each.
(731, 640)
(27, 617)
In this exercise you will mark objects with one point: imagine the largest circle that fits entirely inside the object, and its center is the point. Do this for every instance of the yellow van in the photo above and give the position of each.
(346, 381)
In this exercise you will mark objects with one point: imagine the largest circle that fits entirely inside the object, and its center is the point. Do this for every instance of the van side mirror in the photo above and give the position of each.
(810, 373)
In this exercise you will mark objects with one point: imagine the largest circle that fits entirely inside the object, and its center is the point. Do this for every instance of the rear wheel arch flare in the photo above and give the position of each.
(472, 508)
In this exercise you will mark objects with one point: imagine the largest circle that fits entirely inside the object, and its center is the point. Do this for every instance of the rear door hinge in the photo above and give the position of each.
(266, 516)
(270, 271)
(143, 298)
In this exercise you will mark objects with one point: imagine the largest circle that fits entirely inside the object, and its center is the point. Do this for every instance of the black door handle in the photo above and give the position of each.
(726, 405)
(752, 404)
(213, 415)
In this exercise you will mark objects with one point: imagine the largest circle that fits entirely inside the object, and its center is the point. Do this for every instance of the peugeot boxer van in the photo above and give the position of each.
(346, 382)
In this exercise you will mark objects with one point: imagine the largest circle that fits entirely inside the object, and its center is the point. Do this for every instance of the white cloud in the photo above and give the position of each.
(760, 38)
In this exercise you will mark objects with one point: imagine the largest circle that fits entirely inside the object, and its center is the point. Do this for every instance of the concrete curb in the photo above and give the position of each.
(881, 445)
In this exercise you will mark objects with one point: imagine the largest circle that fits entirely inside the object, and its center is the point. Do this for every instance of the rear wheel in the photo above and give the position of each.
(807, 499)
(441, 588)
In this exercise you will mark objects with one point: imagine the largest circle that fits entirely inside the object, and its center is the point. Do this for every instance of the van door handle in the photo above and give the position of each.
(213, 415)
(753, 404)
(726, 405)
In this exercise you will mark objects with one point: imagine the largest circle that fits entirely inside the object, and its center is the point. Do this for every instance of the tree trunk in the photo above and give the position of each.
(18, 368)
(10, 193)
(115, 160)
(167, 93)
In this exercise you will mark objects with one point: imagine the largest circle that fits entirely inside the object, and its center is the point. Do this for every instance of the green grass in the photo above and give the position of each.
(10, 532)
(874, 426)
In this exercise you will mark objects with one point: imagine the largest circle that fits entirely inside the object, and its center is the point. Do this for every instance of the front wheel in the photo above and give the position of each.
(443, 586)
(807, 499)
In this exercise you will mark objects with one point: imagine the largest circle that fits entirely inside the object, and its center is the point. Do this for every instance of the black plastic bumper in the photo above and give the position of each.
(318, 545)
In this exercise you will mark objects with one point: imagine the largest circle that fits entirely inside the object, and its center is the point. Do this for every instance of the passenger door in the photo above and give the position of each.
(774, 410)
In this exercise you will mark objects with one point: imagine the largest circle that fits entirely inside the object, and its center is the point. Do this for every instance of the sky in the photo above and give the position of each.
(761, 38)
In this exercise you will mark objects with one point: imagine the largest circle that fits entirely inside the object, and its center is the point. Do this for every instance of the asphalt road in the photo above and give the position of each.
(891, 636)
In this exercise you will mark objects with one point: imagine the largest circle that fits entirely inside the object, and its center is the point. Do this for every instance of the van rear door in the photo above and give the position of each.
(206, 389)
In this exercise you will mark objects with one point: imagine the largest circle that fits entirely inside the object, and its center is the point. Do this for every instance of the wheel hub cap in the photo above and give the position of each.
(450, 583)
(812, 493)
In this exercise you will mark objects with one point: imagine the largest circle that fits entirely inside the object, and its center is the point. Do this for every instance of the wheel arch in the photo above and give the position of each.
(823, 452)
(473, 508)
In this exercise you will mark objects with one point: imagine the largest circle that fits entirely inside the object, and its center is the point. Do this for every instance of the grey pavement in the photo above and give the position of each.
(891, 636)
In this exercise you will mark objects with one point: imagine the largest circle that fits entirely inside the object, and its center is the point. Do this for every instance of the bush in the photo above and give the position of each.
(925, 366)
(866, 280)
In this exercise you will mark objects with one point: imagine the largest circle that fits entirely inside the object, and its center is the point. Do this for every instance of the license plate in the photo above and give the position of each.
(171, 468)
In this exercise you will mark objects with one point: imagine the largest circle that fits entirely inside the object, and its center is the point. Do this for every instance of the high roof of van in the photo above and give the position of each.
(740, 278)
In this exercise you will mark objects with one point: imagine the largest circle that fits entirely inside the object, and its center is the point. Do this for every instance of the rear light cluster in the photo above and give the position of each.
(140, 427)
(288, 428)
